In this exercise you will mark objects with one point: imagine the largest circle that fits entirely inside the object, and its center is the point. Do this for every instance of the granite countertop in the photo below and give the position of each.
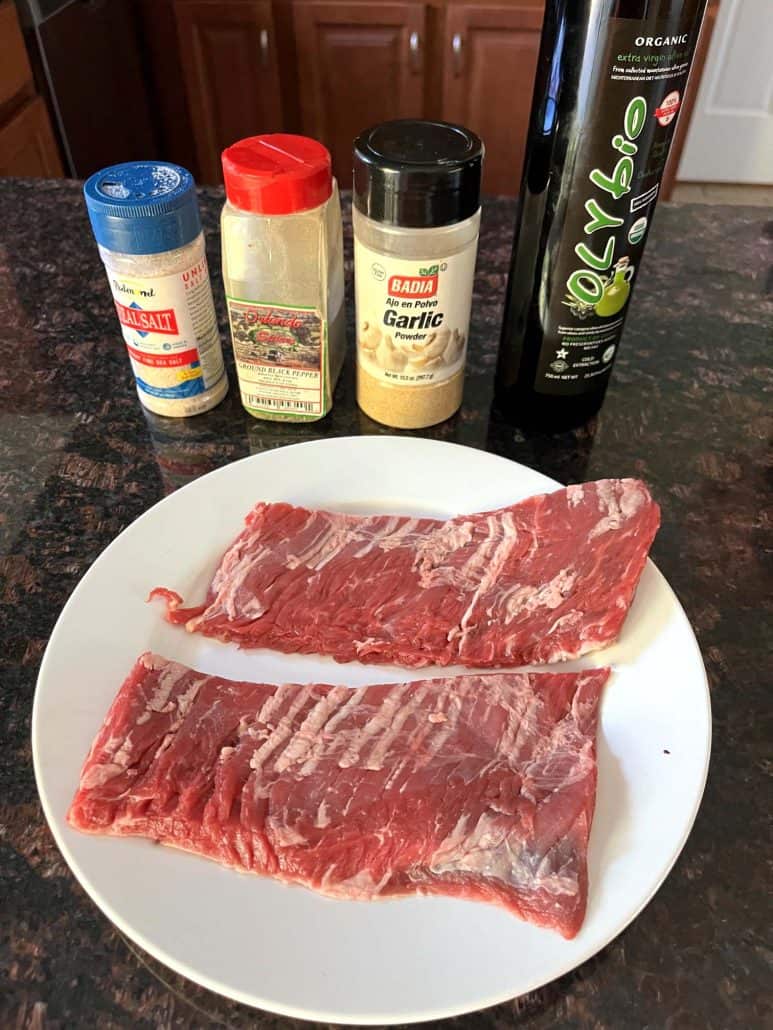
(689, 410)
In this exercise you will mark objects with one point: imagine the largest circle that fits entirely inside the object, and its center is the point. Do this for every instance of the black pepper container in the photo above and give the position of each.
(610, 81)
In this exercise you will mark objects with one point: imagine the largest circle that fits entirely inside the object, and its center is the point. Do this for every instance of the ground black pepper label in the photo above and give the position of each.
(280, 354)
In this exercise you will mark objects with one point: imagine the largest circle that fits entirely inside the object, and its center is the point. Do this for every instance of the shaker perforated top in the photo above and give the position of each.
(143, 207)
(417, 173)
(277, 174)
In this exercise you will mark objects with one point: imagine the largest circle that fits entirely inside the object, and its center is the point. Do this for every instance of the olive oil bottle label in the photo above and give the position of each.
(280, 354)
(413, 316)
(621, 153)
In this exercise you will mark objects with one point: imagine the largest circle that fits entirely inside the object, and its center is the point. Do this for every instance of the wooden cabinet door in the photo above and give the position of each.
(15, 71)
(230, 68)
(489, 64)
(27, 145)
(360, 63)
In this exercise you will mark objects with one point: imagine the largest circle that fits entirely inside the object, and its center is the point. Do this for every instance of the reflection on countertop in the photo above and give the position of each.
(688, 410)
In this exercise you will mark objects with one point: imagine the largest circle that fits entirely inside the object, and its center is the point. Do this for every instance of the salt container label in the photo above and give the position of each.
(170, 330)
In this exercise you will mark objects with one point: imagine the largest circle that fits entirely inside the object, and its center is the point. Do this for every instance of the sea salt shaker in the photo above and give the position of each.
(145, 218)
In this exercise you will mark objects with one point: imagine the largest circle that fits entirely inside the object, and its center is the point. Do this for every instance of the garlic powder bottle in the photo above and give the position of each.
(416, 219)
(145, 217)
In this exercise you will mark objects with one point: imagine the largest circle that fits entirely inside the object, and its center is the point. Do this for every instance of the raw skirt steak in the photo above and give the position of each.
(548, 579)
(477, 786)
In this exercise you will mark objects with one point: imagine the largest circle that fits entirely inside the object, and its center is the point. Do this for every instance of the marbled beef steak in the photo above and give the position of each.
(475, 786)
(545, 580)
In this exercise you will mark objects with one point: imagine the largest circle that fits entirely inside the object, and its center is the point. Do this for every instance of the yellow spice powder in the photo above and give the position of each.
(408, 407)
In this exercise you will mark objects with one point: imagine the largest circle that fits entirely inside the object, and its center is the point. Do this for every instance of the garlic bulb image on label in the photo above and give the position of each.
(433, 356)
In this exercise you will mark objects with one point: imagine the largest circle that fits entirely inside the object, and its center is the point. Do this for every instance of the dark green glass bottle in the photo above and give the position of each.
(610, 81)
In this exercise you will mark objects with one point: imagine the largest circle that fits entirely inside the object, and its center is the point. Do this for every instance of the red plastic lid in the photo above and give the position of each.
(277, 174)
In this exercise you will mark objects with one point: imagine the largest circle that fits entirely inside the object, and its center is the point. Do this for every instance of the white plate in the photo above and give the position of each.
(285, 948)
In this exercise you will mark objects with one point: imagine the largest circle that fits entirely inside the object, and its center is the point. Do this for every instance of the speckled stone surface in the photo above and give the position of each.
(689, 410)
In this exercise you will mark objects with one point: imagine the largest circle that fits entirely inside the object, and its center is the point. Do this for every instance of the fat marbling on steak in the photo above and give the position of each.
(547, 579)
(476, 786)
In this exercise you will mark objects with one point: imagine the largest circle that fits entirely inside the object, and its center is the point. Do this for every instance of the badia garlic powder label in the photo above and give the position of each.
(412, 316)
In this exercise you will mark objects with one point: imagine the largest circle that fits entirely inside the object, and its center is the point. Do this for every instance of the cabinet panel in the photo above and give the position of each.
(165, 83)
(15, 71)
(361, 63)
(229, 60)
(27, 146)
(489, 64)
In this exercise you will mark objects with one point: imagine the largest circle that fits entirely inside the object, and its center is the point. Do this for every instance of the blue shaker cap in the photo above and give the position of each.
(143, 207)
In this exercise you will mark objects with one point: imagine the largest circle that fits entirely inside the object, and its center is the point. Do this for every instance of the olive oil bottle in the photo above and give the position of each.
(610, 81)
